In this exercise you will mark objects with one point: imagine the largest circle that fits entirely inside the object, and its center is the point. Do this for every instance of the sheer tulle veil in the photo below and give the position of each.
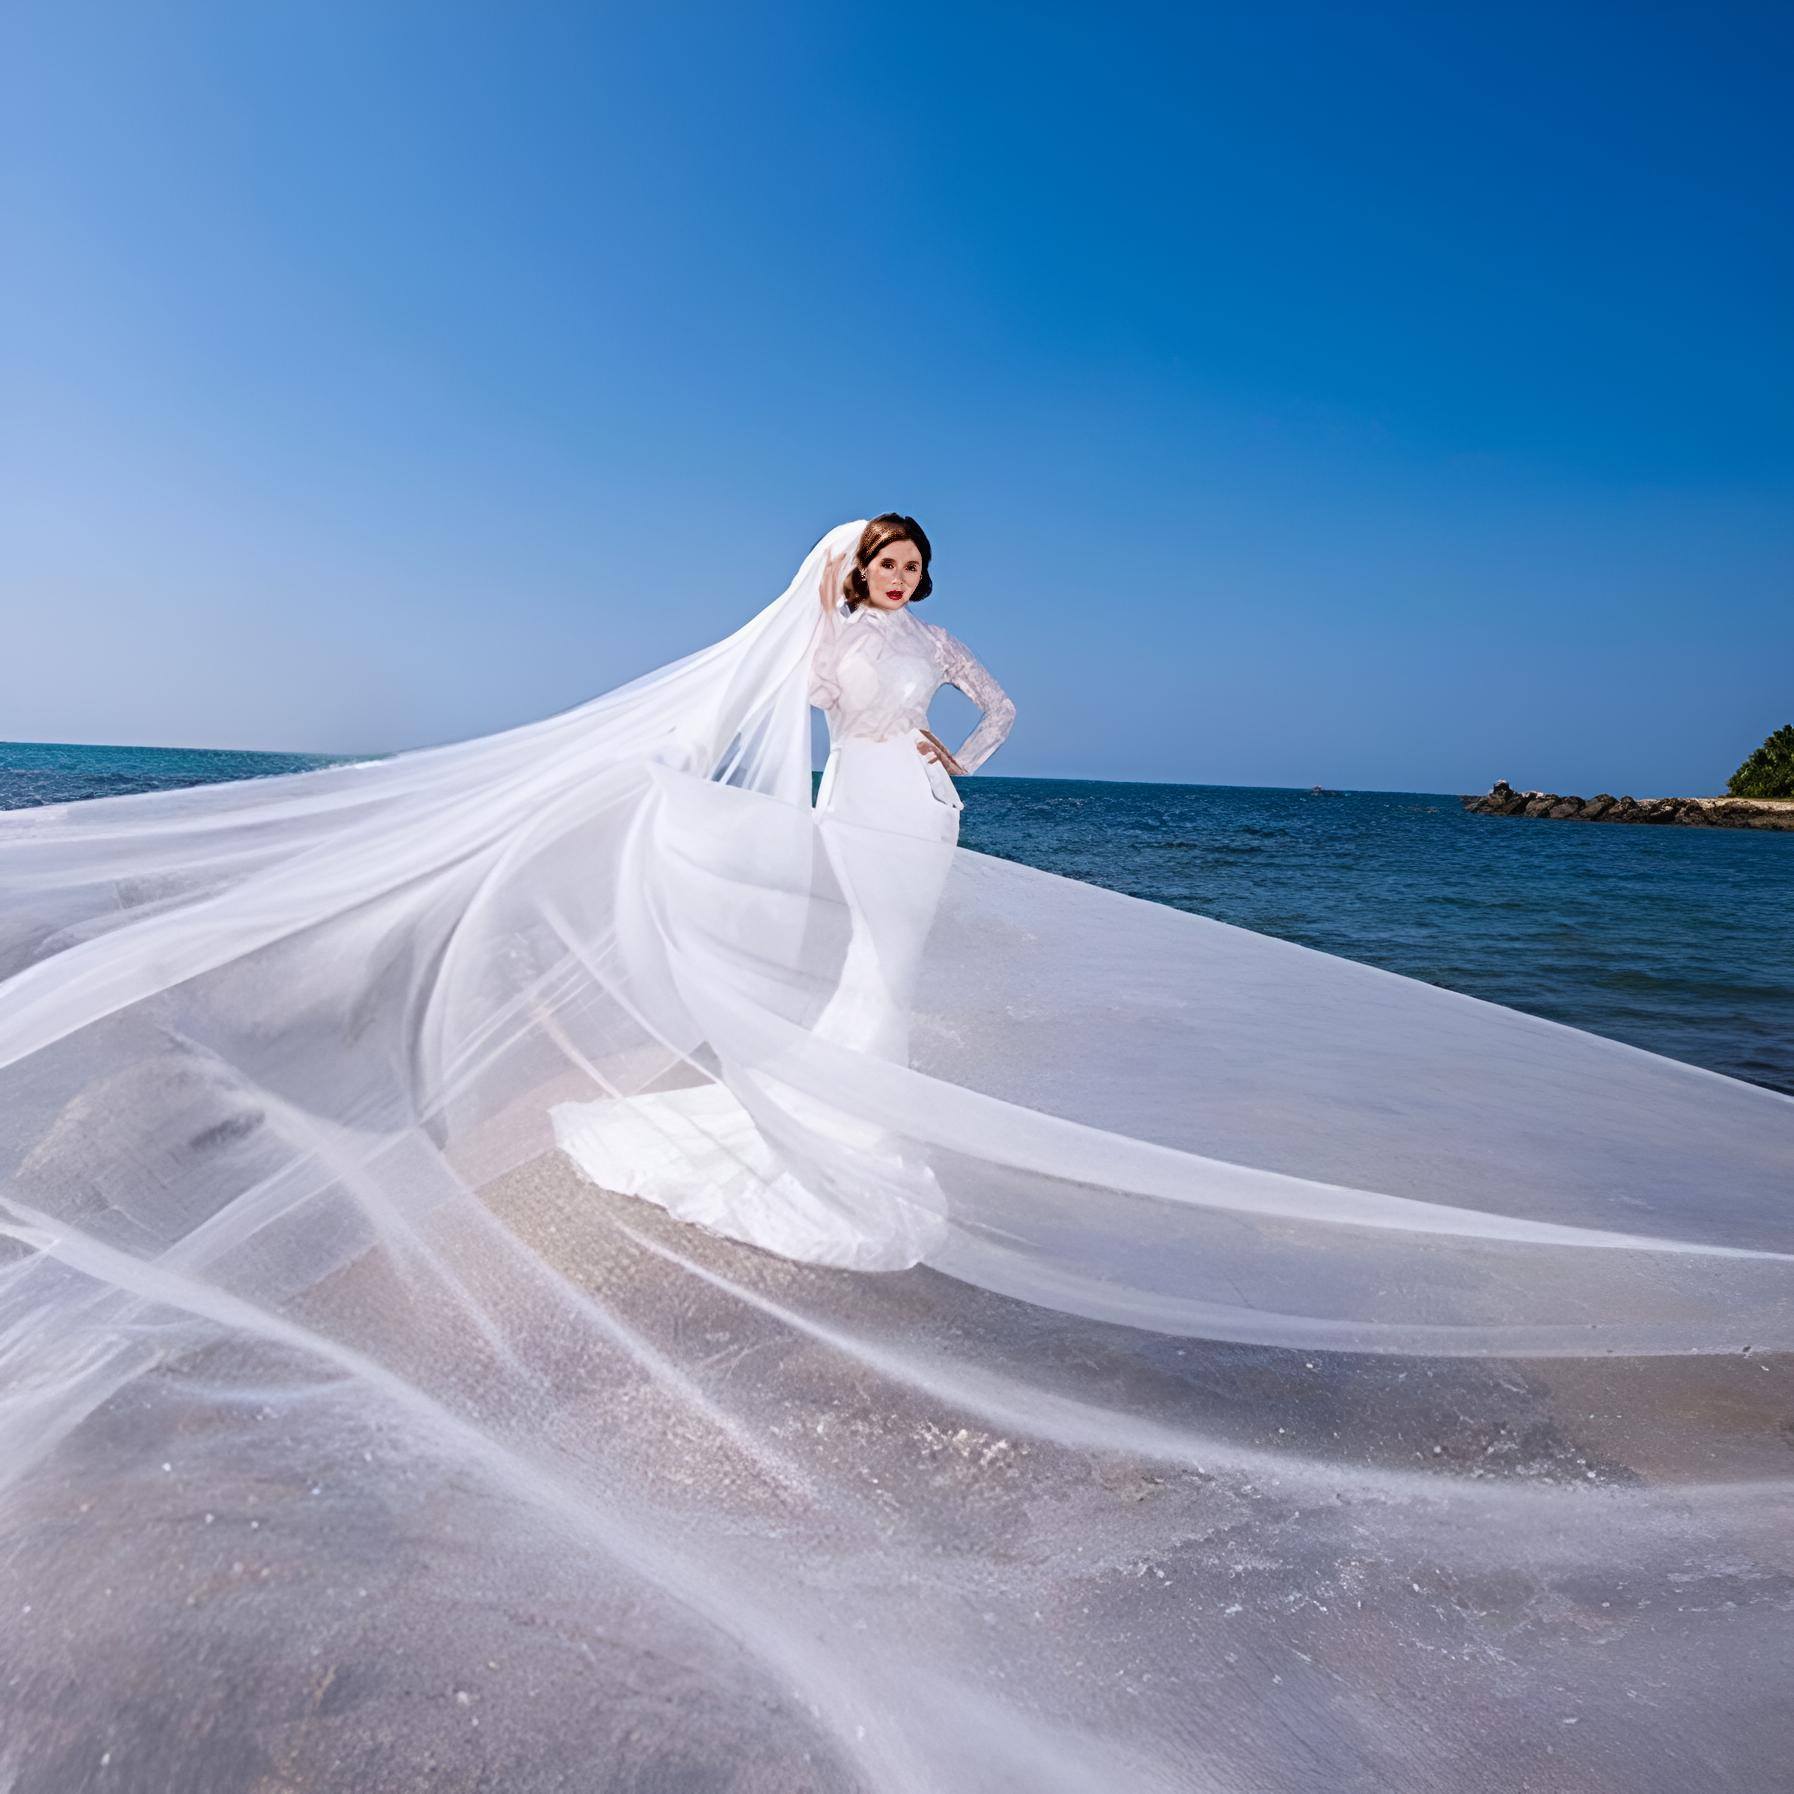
(317, 1361)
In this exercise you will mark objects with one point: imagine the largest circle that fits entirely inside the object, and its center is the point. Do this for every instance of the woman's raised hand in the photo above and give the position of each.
(831, 580)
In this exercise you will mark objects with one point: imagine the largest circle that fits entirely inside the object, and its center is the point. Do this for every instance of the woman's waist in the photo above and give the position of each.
(895, 762)
(884, 736)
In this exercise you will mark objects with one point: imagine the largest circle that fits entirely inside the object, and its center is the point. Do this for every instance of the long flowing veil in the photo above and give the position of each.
(1307, 1365)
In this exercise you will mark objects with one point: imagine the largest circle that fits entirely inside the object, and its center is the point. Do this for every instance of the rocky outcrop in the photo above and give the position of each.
(1698, 812)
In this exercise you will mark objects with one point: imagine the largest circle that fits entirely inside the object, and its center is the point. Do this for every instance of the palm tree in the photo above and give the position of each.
(1769, 772)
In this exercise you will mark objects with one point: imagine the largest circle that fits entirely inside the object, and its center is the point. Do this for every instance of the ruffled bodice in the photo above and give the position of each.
(875, 672)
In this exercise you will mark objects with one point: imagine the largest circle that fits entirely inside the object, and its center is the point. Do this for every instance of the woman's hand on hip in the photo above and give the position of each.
(933, 748)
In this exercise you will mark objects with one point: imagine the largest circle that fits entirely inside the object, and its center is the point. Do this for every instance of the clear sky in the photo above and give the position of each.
(1373, 395)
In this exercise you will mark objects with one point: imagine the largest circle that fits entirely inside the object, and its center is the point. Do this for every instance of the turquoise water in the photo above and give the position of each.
(1677, 940)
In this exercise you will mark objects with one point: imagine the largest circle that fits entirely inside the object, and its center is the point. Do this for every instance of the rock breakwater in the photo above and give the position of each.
(1700, 812)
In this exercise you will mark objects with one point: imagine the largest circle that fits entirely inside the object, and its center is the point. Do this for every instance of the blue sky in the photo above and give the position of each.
(1381, 396)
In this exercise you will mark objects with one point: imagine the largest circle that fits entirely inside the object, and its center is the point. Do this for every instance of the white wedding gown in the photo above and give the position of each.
(888, 817)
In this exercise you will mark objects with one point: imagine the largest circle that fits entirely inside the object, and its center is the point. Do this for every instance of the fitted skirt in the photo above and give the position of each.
(887, 823)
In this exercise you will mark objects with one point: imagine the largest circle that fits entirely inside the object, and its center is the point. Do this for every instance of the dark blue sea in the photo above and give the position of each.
(1674, 939)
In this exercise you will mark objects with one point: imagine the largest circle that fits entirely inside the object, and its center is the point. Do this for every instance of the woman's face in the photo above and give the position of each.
(893, 574)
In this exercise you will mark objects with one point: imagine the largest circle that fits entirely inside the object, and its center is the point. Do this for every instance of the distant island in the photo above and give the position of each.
(1702, 812)
(1760, 794)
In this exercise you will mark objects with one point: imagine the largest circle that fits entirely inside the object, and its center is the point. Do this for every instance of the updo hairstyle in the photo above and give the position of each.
(877, 536)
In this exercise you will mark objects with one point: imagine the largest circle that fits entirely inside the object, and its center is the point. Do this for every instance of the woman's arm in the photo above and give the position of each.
(825, 689)
(960, 667)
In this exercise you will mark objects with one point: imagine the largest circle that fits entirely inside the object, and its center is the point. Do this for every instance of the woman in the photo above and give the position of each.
(888, 818)
(873, 672)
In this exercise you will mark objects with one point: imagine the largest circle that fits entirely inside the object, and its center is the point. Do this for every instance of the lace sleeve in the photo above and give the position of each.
(960, 667)
(825, 684)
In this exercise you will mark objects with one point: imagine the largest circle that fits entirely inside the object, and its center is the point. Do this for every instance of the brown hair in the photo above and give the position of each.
(877, 536)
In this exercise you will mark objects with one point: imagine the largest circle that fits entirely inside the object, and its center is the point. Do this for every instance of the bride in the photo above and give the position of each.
(1272, 1356)
(887, 806)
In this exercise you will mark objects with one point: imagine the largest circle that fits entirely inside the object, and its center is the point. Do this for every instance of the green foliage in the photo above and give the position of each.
(1769, 772)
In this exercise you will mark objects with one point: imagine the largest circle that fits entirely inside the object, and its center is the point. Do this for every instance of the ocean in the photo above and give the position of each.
(1673, 939)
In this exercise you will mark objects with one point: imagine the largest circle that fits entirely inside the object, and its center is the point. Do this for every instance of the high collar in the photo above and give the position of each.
(871, 613)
